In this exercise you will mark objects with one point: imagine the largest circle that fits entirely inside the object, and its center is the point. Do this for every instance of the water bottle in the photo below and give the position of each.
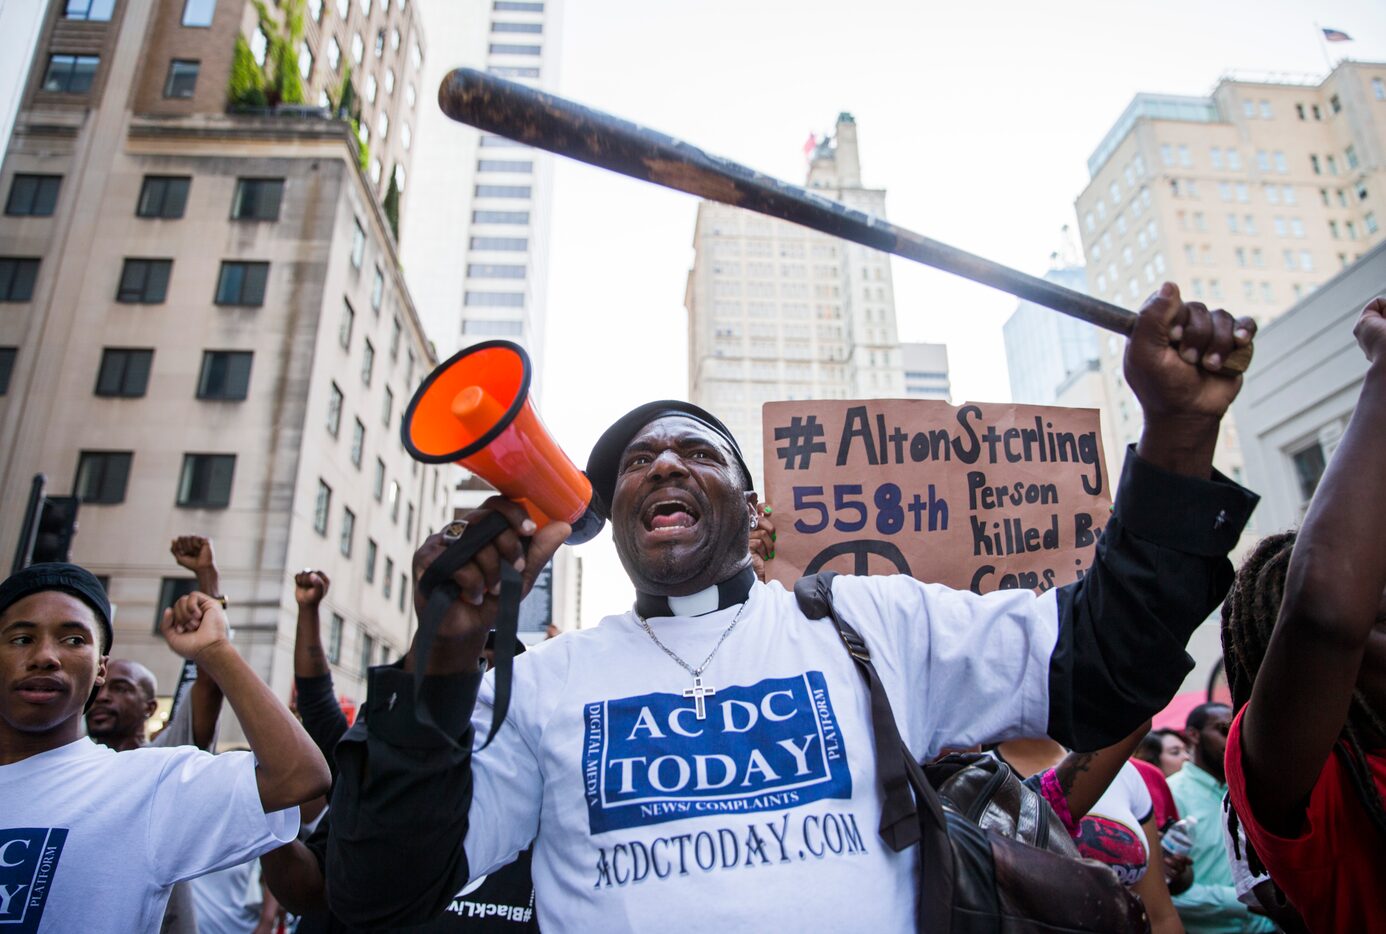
(1178, 840)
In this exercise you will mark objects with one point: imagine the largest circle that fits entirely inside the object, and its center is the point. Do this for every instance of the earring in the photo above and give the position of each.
(754, 522)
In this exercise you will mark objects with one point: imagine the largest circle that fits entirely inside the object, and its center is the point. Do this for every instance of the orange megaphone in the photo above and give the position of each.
(474, 410)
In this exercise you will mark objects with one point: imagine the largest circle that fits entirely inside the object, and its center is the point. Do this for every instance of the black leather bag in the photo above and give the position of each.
(987, 792)
(972, 880)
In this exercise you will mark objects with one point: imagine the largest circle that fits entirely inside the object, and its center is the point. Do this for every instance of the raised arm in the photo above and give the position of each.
(1161, 563)
(195, 553)
(1083, 777)
(1331, 607)
(317, 700)
(402, 805)
(290, 769)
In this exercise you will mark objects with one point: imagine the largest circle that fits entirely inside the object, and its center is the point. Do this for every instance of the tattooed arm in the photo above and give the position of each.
(1084, 776)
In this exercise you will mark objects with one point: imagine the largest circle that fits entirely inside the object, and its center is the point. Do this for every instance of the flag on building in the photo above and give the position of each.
(809, 145)
(1336, 35)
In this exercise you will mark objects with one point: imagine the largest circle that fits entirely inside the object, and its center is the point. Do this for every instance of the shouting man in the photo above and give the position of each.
(704, 761)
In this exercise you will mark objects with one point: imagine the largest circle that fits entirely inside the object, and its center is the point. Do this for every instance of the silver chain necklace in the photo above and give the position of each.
(699, 691)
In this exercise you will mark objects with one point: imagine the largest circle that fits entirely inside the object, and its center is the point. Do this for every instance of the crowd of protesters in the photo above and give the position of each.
(1260, 815)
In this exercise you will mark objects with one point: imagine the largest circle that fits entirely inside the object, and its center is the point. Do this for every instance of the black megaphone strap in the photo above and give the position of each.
(442, 592)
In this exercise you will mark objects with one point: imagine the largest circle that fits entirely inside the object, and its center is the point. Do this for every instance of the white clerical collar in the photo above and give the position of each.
(730, 592)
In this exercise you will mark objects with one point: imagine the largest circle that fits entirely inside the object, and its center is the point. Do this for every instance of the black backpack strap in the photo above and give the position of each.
(901, 821)
(443, 592)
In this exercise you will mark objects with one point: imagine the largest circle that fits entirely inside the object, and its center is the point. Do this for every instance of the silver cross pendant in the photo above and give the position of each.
(698, 692)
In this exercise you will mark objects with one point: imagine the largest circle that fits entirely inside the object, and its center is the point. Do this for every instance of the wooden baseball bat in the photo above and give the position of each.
(561, 126)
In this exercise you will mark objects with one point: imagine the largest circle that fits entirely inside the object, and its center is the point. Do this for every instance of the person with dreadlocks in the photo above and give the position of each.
(1304, 635)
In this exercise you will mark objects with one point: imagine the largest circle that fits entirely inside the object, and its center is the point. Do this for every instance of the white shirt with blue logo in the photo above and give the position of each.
(764, 814)
(92, 839)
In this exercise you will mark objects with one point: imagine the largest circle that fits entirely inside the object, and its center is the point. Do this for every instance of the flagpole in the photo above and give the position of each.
(1323, 47)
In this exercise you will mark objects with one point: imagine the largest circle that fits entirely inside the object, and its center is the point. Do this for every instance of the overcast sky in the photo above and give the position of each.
(978, 119)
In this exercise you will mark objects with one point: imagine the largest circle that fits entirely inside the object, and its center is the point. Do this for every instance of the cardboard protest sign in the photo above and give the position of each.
(980, 497)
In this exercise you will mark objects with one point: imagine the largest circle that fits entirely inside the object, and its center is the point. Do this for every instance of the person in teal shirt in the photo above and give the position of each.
(1210, 905)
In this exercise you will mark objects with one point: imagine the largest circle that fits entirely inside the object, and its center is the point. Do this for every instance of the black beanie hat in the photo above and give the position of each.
(68, 578)
(605, 462)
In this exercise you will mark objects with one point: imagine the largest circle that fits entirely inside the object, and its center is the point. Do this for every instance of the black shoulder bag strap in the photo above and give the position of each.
(896, 767)
(442, 592)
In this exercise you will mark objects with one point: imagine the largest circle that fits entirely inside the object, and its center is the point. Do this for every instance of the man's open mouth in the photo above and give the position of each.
(670, 514)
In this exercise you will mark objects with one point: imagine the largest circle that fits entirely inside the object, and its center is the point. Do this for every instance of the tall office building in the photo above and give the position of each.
(777, 311)
(206, 329)
(1044, 347)
(926, 371)
(1248, 198)
(477, 258)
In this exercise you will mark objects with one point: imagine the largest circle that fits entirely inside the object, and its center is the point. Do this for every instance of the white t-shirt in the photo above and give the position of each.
(91, 839)
(1242, 878)
(1111, 831)
(764, 815)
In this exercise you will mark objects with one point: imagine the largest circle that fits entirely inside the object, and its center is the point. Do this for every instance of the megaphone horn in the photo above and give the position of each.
(474, 410)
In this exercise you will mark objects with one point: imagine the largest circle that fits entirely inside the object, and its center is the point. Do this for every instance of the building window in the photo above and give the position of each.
(378, 485)
(1370, 222)
(199, 12)
(507, 48)
(484, 326)
(394, 501)
(315, 10)
(409, 522)
(70, 74)
(508, 244)
(206, 481)
(388, 578)
(7, 356)
(257, 199)
(95, 11)
(500, 217)
(367, 652)
(334, 410)
(344, 329)
(322, 507)
(182, 78)
(17, 275)
(387, 410)
(368, 362)
(517, 6)
(494, 299)
(1309, 467)
(379, 43)
(358, 245)
(33, 195)
(334, 638)
(225, 375)
(171, 590)
(242, 283)
(396, 331)
(495, 271)
(334, 53)
(358, 443)
(358, 48)
(144, 281)
(503, 191)
(377, 289)
(370, 88)
(163, 196)
(371, 550)
(348, 530)
(124, 373)
(102, 476)
(305, 61)
(403, 590)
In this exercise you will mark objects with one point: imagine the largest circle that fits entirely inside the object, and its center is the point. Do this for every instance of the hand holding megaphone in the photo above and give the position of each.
(463, 626)
(474, 410)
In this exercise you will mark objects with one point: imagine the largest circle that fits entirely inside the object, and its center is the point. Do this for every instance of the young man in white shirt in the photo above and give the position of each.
(92, 839)
(705, 761)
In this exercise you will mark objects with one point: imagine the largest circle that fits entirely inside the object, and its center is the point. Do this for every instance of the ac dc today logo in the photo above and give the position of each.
(28, 860)
(768, 746)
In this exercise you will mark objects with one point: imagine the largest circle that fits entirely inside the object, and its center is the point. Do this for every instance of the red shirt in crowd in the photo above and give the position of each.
(1332, 871)
(1166, 811)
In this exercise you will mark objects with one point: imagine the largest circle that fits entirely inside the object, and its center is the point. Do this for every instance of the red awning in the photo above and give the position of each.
(1177, 712)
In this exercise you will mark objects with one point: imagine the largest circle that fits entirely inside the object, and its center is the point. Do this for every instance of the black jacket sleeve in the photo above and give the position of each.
(322, 716)
(1161, 567)
(399, 808)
